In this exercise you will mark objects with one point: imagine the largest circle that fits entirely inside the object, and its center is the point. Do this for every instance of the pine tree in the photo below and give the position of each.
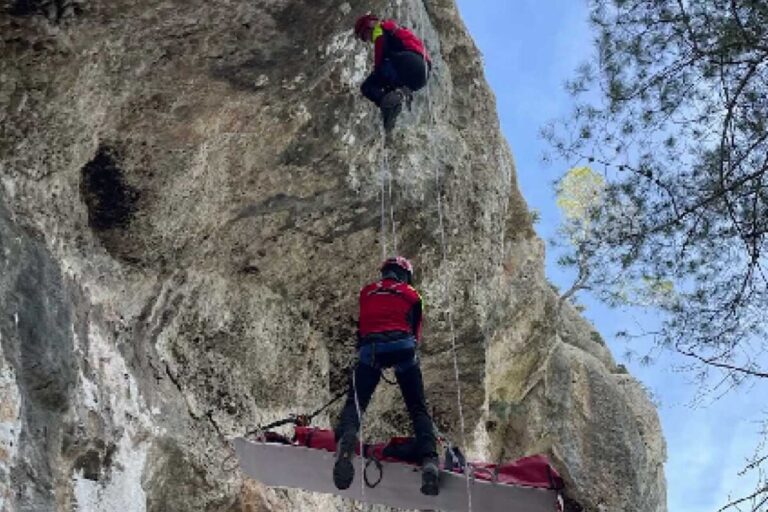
(674, 115)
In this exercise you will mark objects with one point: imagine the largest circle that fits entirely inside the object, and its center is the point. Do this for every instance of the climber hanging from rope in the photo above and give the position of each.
(401, 65)
(389, 331)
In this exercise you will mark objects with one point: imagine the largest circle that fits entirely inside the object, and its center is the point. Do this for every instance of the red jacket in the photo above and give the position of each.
(388, 37)
(389, 307)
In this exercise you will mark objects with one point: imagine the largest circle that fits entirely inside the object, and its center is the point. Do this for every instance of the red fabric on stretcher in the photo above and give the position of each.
(322, 439)
(318, 438)
(533, 471)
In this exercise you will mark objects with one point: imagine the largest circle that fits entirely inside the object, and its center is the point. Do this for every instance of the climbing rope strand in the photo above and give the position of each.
(391, 201)
(385, 189)
(444, 249)
(383, 215)
(360, 432)
(395, 7)
(456, 376)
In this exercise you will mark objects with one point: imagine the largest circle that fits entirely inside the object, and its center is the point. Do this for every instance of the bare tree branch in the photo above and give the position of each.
(709, 361)
(737, 502)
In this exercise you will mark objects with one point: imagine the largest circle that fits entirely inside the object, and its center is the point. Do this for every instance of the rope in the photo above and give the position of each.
(391, 201)
(296, 419)
(394, 6)
(333, 400)
(360, 436)
(444, 249)
(385, 190)
(383, 235)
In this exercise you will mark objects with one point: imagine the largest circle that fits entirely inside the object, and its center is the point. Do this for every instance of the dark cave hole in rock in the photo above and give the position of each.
(54, 10)
(111, 202)
(26, 7)
(90, 465)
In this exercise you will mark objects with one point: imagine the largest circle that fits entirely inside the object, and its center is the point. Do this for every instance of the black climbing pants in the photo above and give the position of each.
(399, 69)
(408, 375)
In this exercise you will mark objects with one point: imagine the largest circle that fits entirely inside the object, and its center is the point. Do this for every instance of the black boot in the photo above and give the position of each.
(430, 476)
(391, 105)
(343, 469)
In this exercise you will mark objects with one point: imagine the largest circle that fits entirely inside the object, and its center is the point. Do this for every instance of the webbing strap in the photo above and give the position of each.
(296, 419)
(379, 466)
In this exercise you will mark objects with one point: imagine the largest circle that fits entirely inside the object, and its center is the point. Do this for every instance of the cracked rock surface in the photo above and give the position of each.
(190, 199)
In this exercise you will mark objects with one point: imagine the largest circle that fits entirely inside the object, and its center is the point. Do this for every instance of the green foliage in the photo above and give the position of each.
(679, 215)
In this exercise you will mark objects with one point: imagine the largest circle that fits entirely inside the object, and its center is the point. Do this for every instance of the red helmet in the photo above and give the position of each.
(363, 23)
(401, 262)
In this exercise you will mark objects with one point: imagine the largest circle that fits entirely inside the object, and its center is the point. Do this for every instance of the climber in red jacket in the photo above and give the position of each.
(389, 330)
(401, 65)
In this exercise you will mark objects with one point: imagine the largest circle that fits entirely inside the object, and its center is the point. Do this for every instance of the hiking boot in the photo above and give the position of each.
(389, 116)
(343, 469)
(430, 477)
(393, 98)
(391, 106)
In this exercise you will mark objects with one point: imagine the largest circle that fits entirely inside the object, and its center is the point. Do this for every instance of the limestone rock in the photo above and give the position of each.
(191, 196)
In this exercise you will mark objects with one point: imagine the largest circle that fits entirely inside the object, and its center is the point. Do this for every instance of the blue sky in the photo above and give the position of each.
(530, 48)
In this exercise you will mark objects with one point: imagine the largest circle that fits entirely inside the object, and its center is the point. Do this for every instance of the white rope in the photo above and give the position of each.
(385, 190)
(394, 6)
(360, 433)
(444, 248)
(391, 201)
(382, 179)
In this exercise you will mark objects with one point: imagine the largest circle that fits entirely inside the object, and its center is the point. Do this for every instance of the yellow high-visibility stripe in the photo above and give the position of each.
(377, 32)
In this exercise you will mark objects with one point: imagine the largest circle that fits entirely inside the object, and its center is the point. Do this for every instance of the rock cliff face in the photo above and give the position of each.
(191, 196)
